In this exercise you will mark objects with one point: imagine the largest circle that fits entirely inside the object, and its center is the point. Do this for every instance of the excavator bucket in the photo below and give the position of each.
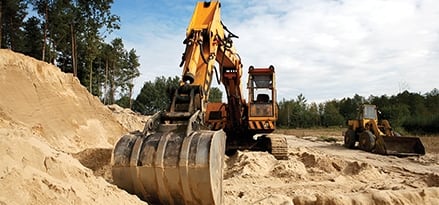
(171, 166)
(403, 146)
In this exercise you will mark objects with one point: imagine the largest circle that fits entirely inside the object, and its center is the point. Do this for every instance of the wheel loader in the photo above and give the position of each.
(376, 135)
(178, 157)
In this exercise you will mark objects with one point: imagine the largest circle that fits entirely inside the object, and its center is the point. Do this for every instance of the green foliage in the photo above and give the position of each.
(422, 124)
(32, 38)
(155, 96)
(296, 113)
(124, 102)
(331, 114)
(70, 34)
(215, 95)
(412, 111)
(348, 106)
(395, 113)
(12, 14)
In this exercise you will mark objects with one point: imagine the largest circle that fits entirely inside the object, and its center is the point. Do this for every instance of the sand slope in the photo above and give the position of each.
(54, 104)
(45, 117)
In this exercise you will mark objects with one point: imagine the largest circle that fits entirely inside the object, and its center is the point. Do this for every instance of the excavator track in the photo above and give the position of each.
(279, 147)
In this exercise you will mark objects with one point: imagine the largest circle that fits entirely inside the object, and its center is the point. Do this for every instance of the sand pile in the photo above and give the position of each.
(54, 104)
(45, 117)
(129, 119)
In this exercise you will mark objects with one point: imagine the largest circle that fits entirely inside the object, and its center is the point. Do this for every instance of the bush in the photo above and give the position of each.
(422, 124)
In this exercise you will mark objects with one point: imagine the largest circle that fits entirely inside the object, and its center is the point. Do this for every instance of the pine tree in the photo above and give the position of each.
(12, 14)
(32, 38)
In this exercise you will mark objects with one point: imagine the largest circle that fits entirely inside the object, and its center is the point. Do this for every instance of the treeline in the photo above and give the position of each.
(156, 95)
(414, 112)
(70, 34)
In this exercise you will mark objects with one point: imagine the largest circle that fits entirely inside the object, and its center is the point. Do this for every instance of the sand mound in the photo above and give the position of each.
(290, 169)
(129, 119)
(249, 164)
(32, 172)
(54, 104)
(98, 160)
(44, 116)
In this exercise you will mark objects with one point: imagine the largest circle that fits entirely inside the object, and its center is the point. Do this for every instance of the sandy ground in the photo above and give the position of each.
(319, 172)
(56, 141)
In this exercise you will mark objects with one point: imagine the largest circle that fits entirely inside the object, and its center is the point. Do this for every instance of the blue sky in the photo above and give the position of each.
(324, 49)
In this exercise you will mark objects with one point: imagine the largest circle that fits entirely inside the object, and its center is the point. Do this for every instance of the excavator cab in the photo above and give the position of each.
(262, 99)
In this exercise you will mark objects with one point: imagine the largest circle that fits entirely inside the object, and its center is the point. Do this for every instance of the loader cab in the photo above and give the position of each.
(368, 112)
(368, 117)
(262, 99)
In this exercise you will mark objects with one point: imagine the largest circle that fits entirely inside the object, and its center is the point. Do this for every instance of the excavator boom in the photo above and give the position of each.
(174, 161)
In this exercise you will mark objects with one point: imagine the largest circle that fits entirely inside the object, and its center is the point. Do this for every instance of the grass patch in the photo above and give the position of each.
(317, 131)
(431, 143)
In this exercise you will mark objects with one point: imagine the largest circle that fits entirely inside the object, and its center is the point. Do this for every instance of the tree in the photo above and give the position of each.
(348, 108)
(32, 38)
(299, 112)
(283, 114)
(415, 102)
(128, 72)
(215, 95)
(395, 113)
(72, 30)
(70, 34)
(115, 63)
(91, 17)
(313, 115)
(12, 14)
(155, 96)
(432, 101)
(43, 8)
(107, 57)
(331, 115)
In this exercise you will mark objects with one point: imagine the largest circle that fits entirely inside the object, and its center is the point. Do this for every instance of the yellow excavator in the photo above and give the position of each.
(377, 136)
(178, 157)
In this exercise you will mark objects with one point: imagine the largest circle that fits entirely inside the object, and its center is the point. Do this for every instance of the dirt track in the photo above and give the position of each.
(56, 140)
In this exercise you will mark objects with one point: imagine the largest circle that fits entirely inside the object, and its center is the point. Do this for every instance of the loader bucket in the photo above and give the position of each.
(168, 167)
(404, 146)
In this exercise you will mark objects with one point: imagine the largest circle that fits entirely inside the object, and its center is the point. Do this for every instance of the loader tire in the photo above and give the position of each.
(367, 141)
(349, 139)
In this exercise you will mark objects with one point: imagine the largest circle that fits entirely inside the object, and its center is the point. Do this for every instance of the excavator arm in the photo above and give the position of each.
(208, 40)
(175, 160)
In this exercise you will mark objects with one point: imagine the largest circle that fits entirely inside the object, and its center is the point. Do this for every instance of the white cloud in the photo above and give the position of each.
(321, 48)
(333, 49)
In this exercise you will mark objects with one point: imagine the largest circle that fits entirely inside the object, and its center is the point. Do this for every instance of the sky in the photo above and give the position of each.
(323, 49)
